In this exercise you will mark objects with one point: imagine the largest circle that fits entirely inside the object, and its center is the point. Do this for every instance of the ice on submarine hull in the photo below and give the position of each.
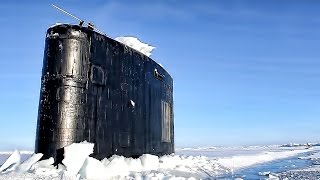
(96, 89)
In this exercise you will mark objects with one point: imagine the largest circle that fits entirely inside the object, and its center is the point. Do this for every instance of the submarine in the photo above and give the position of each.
(96, 89)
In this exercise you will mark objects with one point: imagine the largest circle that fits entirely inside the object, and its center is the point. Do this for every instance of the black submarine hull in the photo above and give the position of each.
(96, 89)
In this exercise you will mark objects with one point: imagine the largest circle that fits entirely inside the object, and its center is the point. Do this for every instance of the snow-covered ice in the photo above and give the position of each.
(237, 162)
(298, 174)
(93, 169)
(21, 152)
(136, 44)
(26, 165)
(12, 162)
(264, 173)
(313, 156)
(47, 163)
(75, 155)
(78, 164)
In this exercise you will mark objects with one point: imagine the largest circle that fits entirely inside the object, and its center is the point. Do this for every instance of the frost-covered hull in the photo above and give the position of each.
(99, 90)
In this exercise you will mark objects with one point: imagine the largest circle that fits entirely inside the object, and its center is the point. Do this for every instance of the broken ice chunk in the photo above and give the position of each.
(92, 169)
(12, 162)
(26, 165)
(75, 155)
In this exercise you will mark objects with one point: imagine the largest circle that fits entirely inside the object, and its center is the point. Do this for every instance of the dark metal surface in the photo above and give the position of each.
(99, 90)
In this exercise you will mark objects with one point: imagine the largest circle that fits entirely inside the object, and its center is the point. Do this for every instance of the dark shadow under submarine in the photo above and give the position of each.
(96, 89)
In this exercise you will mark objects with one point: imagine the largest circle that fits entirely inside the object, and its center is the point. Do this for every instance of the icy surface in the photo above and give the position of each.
(306, 173)
(26, 165)
(314, 156)
(264, 173)
(93, 169)
(46, 168)
(216, 163)
(297, 145)
(136, 44)
(75, 155)
(237, 162)
(21, 152)
(12, 162)
(47, 163)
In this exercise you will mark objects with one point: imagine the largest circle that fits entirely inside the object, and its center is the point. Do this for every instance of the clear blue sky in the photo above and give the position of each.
(245, 72)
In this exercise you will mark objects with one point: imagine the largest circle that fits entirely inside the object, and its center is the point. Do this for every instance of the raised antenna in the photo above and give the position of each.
(81, 22)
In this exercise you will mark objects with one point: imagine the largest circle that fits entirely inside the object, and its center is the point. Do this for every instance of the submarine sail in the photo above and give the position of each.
(99, 90)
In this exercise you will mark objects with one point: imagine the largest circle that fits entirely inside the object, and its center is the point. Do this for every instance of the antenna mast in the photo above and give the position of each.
(81, 22)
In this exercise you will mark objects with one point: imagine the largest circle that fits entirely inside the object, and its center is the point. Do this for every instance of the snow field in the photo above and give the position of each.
(238, 162)
(78, 165)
